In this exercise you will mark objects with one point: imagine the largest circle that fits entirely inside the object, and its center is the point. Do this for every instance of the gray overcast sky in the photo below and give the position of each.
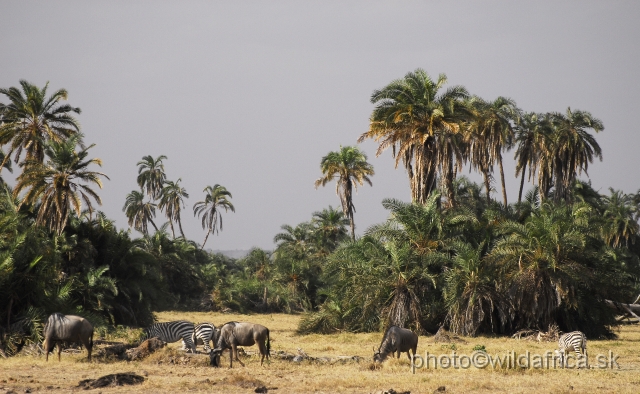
(251, 95)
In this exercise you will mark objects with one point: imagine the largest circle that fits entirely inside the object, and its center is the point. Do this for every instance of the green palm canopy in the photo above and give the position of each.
(31, 119)
(349, 167)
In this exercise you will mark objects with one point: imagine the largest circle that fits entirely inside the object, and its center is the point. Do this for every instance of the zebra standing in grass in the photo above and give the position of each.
(205, 332)
(575, 340)
(171, 332)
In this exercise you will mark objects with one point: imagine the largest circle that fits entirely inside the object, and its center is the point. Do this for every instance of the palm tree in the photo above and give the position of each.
(294, 242)
(574, 148)
(294, 267)
(171, 198)
(532, 130)
(620, 224)
(57, 183)
(491, 133)
(139, 212)
(330, 228)
(151, 176)
(216, 197)
(423, 126)
(350, 167)
(32, 119)
(545, 260)
(470, 293)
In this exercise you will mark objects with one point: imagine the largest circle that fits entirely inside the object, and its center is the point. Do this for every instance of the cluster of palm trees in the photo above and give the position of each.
(453, 256)
(58, 254)
(480, 267)
(168, 196)
(287, 279)
(42, 128)
(434, 133)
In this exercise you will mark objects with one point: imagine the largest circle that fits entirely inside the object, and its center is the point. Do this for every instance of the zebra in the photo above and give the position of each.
(171, 332)
(205, 332)
(575, 340)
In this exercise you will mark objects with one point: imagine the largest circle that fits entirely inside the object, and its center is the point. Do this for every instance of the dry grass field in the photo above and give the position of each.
(168, 370)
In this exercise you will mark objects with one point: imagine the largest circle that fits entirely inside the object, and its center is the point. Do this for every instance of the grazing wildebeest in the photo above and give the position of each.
(396, 339)
(67, 328)
(234, 334)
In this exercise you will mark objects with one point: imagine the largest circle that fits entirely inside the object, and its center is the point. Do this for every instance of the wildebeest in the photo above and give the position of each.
(67, 328)
(396, 339)
(234, 334)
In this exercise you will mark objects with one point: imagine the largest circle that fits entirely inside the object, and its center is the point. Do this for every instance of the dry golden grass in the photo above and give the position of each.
(169, 370)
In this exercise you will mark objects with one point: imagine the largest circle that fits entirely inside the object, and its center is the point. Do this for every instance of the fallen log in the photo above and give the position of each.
(626, 310)
(113, 380)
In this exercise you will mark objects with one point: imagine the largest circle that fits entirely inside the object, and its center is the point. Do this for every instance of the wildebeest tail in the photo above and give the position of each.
(268, 345)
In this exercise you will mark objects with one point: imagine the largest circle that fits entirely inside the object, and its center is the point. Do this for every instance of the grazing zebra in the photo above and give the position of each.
(171, 332)
(575, 340)
(204, 332)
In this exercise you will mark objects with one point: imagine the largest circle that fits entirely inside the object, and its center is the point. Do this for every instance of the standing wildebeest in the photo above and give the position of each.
(69, 328)
(234, 334)
(396, 339)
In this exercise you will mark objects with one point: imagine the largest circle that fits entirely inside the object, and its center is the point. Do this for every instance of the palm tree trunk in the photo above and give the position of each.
(180, 227)
(205, 239)
(524, 168)
(504, 188)
(353, 226)
(487, 185)
(153, 224)
(173, 232)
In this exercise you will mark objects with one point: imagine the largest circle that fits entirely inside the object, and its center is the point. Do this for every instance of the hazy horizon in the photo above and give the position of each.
(252, 95)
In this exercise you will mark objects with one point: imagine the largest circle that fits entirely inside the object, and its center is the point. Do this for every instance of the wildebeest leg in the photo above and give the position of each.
(398, 354)
(231, 357)
(413, 349)
(88, 344)
(235, 351)
(263, 351)
(48, 348)
(59, 350)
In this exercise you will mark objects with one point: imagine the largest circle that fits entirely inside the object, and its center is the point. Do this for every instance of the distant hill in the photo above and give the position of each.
(234, 254)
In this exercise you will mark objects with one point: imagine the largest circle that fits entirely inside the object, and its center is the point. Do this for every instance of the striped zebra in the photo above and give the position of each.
(171, 332)
(205, 332)
(575, 340)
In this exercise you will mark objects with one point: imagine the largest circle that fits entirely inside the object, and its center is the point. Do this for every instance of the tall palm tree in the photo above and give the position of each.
(171, 198)
(60, 183)
(423, 126)
(216, 197)
(620, 224)
(139, 212)
(491, 132)
(31, 119)
(349, 167)
(531, 130)
(574, 148)
(151, 176)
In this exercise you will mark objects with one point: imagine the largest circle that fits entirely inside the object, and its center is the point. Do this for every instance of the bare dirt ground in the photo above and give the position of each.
(169, 370)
